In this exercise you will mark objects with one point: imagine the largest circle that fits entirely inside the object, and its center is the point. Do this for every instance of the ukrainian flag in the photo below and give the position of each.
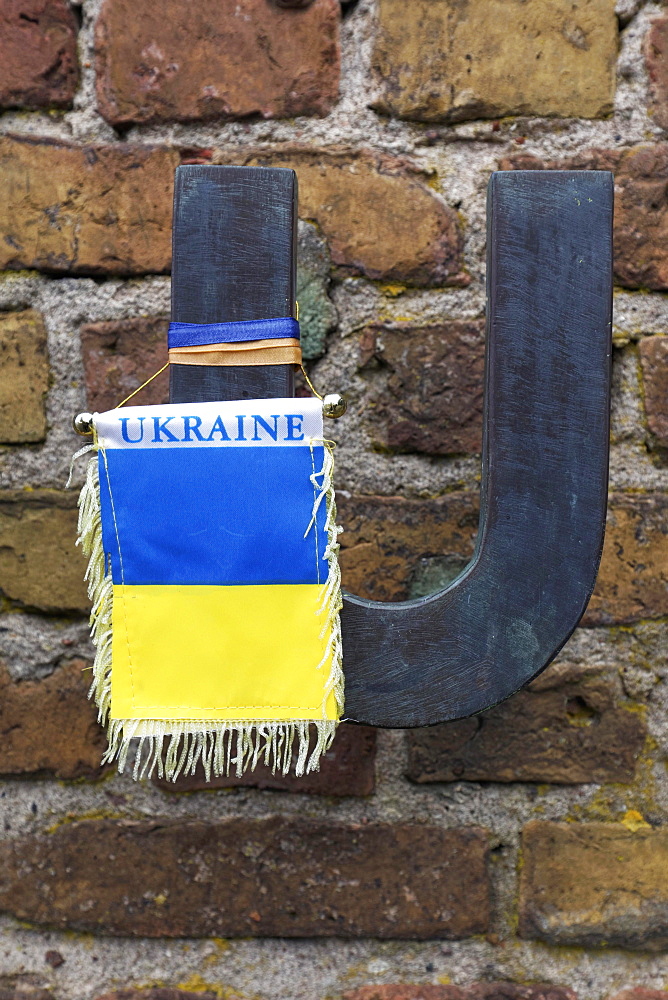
(216, 604)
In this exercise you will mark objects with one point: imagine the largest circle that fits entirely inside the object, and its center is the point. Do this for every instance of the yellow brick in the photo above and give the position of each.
(443, 60)
(24, 377)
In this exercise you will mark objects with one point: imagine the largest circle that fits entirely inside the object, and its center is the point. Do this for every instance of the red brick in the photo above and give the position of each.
(277, 877)
(49, 725)
(476, 991)
(119, 356)
(640, 993)
(654, 364)
(561, 729)
(656, 55)
(376, 212)
(431, 398)
(85, 209)
(170, 62)
(641, 207)
(641, 218)
(348, 768)
(38, 54)
(595, 884)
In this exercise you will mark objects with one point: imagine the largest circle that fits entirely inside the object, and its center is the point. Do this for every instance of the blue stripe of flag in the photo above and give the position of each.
(212, 516)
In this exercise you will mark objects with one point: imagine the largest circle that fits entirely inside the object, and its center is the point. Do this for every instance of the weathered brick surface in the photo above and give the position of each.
(24, 377)
(640, 993)
(476, 991)
(24, 987)
(174, 62)
(654, 364)
(561, 729)
(38, 54)
(379, 217)
(39, 564)
(632, 582)
(656, 54)
(595, 884)
(641, 207)
(641, 217)
(393, 548)
(119, 356)
(49, 725)
(389, 541)
(348, 768)
(440, 60)
(431, 400)
(244, 877)
(85, 209)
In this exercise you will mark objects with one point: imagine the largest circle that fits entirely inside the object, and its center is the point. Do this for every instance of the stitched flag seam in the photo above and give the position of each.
(315, 527)
(120, 561)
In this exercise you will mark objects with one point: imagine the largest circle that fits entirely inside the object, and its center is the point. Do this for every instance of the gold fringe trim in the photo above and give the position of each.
(221, 746)
(332, 601)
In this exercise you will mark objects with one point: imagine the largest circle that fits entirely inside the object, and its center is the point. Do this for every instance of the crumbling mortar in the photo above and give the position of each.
(627, 412)
(313, 969)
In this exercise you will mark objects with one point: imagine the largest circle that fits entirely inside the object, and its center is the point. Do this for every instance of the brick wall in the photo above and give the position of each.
(522, 854)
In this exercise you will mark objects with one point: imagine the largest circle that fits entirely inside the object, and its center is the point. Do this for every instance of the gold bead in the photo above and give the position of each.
(83, 423)
(334, 405)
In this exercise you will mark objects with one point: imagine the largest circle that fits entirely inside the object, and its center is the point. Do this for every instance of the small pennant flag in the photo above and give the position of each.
(210, 530)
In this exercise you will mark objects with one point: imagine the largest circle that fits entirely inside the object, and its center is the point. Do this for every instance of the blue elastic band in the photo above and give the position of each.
(196, 334)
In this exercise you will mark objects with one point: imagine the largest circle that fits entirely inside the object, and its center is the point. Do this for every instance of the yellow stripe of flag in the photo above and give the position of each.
(236, 653)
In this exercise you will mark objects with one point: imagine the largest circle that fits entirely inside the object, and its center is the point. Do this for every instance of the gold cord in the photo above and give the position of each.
(310, 384)
(143, 385)
(161, 370)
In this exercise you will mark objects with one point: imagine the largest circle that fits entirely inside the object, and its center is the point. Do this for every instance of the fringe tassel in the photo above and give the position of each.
(222, 746)
(332, 602)
(100, 588)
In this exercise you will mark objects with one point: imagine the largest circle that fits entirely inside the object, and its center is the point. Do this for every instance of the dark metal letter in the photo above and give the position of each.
(545, 448)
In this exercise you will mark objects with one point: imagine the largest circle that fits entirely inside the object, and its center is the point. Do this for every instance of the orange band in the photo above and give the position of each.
(281, 351)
